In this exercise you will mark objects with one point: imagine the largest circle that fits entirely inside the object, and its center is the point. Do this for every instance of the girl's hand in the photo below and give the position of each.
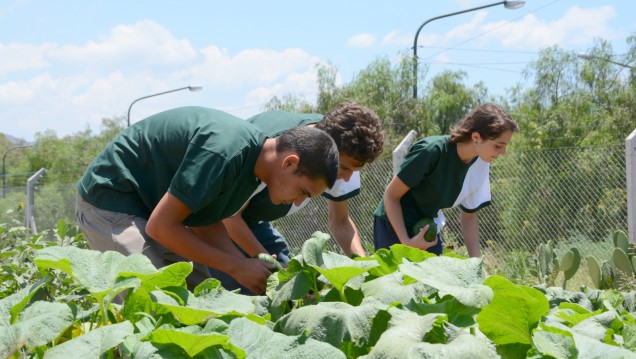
(418, 240)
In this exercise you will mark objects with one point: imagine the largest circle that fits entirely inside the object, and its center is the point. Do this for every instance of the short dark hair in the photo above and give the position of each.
(317, 151)
(489, 120)
(356, 130)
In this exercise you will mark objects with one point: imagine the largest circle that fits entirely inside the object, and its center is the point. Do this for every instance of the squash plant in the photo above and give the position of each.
(396, 303)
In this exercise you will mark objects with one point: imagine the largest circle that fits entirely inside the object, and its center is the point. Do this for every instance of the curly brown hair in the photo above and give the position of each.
(489, 120)
(356, 130)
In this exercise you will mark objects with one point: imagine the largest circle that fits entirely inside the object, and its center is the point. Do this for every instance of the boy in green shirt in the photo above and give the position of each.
(165, 183)
(359, 136)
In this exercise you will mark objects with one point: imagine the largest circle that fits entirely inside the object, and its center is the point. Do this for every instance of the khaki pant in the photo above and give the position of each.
(126, 234)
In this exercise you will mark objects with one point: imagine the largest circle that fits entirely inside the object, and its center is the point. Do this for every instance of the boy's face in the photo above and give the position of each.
(347, 166)
(287, 187)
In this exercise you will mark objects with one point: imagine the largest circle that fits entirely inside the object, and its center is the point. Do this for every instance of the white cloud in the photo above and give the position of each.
(68, 87)
(577, 26)
(144, 43)
(21, 57)
(362, 40)
(395, 38)
(467, 29)
(300, 84)
(252, 66)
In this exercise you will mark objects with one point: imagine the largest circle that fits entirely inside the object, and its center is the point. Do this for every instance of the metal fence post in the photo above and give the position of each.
(630, 162)
(400, 151)
(29, 220)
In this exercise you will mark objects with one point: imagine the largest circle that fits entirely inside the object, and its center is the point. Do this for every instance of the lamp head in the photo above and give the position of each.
(514, 4)
(195, 88)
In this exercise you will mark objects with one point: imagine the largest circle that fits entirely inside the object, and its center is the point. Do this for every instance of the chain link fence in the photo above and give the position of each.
(567, 195)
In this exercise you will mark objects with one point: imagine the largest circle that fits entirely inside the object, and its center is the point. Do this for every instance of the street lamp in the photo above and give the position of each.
(593, 57)
(507, 4)
(191, 88)
(4, 156)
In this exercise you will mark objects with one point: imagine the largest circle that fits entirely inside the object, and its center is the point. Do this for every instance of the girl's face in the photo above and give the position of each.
(488, 150)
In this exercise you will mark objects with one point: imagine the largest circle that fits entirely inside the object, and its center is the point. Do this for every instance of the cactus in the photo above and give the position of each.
(595, 272)
(570, 264)
(620, 240)
(607, 276)
(547, 266)
(622, 262)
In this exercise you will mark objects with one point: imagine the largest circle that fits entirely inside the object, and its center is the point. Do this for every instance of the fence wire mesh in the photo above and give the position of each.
(565, 195)
(537, 195)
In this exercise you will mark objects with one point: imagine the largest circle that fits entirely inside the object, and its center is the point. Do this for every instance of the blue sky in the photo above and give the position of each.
(65, 65)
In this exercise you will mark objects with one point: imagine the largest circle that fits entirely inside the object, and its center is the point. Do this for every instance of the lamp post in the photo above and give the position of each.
(506, 4)
(593, 57)
(191, 88)
(4, 156)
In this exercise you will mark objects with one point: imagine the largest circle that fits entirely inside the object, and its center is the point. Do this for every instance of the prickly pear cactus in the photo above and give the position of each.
(548, 263)
(621, 241)
(594, 270)
(622, 262)
(570, 264)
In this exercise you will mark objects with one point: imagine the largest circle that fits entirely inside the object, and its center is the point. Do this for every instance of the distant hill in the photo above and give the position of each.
(12, 139)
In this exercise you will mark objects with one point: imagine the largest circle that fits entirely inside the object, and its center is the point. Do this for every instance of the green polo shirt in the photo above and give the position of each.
(204, 157)
(437, 179)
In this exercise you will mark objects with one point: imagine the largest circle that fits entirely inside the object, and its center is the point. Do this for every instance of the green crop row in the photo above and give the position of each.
(397, 303)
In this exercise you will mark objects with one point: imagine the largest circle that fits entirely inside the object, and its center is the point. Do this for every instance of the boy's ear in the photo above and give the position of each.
(291, 161)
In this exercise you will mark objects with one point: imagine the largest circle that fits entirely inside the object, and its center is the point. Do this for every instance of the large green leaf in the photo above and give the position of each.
(629, 336)
(513, 312)
(590, 348)
(597, 326)
(390, 288)
(554, 343)
(458, 314)
(332, 260)
(139, 301)
(313, 248)
(93, 344)
(390, 259)
(97, 272)
(44, 321)
(193, 342)
(293, 282)
(38, 324)
(427, 336)
(461, 278)
(211, 303)
(338, 277)
(11, 306)
(260, 342)
(573, 314)
(331, 322)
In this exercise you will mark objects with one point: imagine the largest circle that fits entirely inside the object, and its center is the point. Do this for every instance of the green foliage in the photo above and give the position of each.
(617, 272)
(18, 251)
(546, 265)
(397, 303)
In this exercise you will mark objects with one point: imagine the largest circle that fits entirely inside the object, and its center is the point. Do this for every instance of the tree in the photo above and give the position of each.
(448, 99)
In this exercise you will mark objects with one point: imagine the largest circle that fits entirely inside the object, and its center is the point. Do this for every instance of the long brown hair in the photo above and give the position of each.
(489, 120)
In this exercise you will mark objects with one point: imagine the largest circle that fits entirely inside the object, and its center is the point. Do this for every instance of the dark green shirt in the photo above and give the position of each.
(204, 157)
(437, 178)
